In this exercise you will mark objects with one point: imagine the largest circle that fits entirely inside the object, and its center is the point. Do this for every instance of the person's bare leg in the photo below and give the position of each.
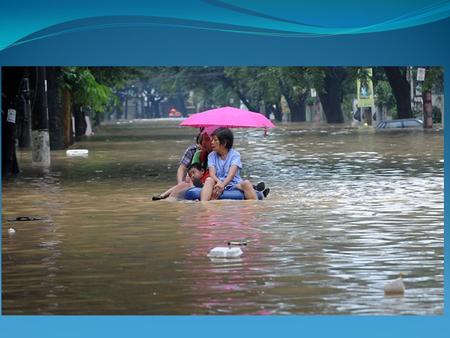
(179, 189)
(163, 195)
(166, 193)
(207, 189)
(247, 188)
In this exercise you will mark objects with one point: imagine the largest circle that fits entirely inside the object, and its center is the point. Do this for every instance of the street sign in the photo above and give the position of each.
(11, 117)
(420, 74)
(364, 90)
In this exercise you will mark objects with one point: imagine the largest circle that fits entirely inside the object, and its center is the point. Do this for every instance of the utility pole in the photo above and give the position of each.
(411, 88)
(40, 139)
(25, 139)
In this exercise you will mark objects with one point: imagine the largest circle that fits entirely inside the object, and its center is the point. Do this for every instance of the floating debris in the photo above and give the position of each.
(225, 252)
(11, 231)
(243, 243)
(77, 152)
(396, 287)
(24, 218)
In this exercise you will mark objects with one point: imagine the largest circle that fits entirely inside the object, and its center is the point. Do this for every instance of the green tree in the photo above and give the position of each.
(85, 92)
(434, 79)
(329, 83)
(295, 83)
(384, 98)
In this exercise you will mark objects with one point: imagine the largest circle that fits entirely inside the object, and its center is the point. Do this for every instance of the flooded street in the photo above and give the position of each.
(348, 211)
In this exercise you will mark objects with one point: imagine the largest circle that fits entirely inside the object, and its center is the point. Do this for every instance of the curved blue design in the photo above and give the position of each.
(194, 194)
(280, 19)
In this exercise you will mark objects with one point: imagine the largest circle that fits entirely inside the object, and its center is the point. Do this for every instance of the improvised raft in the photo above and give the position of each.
(193, 194)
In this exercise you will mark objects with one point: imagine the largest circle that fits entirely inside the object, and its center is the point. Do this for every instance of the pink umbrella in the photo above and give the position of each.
(228, 117)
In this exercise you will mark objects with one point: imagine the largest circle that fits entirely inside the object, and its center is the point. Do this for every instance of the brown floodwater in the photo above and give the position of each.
(349, 210)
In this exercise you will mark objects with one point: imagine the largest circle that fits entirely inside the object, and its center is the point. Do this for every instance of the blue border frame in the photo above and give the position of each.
(232, 32)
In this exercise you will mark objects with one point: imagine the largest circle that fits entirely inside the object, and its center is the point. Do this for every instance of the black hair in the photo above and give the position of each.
(196, 165)
(225, 137)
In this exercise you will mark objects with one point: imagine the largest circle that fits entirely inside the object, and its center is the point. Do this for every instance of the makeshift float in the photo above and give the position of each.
(193, 194)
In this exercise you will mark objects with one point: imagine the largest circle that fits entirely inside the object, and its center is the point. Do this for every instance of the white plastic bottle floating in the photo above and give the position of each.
(77, 152)
(396, 287)
(11, 231)
(225, 252)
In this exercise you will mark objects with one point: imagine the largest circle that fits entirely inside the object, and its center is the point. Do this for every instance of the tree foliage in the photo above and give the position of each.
(261, 88)
(434, 79)
(86, 91)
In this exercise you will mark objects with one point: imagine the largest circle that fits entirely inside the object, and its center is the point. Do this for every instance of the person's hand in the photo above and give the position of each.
(188, 179)
(217, 190)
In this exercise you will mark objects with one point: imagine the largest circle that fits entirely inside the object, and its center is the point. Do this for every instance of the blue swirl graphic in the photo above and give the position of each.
(225, 16)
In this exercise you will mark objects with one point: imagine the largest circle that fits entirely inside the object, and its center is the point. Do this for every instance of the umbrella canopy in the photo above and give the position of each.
(228, 117)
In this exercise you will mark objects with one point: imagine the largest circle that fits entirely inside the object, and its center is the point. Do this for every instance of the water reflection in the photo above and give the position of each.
(348, 211)
(215, 224)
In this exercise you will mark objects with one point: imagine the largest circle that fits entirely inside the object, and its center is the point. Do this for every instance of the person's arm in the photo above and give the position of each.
(230, 176)
(220, 186)
(212, 174)
(185, 162)
(181, 173)
(211, 167)
(216, 189)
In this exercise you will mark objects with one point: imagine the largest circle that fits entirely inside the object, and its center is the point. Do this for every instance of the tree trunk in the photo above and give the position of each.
(233, 86)
(182, 105)
(275, 109)
(24, 118)
(55, 111)
(119, 108)
(125, 110)
(401, 90)
(297, 107)
(427, 110)
(67, 118)
(296, 103)
(40, 138)
(246, 101)
(148, 111)
(331, 96)
(156, 112)
(278, 113)
(80, 122)
(11, 78)
(97, 119)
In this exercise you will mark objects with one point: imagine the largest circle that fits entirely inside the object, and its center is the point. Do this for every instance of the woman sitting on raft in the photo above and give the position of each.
(224, 164)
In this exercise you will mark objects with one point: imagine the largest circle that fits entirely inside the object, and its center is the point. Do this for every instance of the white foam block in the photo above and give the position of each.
(225, 252)
(77, 152)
